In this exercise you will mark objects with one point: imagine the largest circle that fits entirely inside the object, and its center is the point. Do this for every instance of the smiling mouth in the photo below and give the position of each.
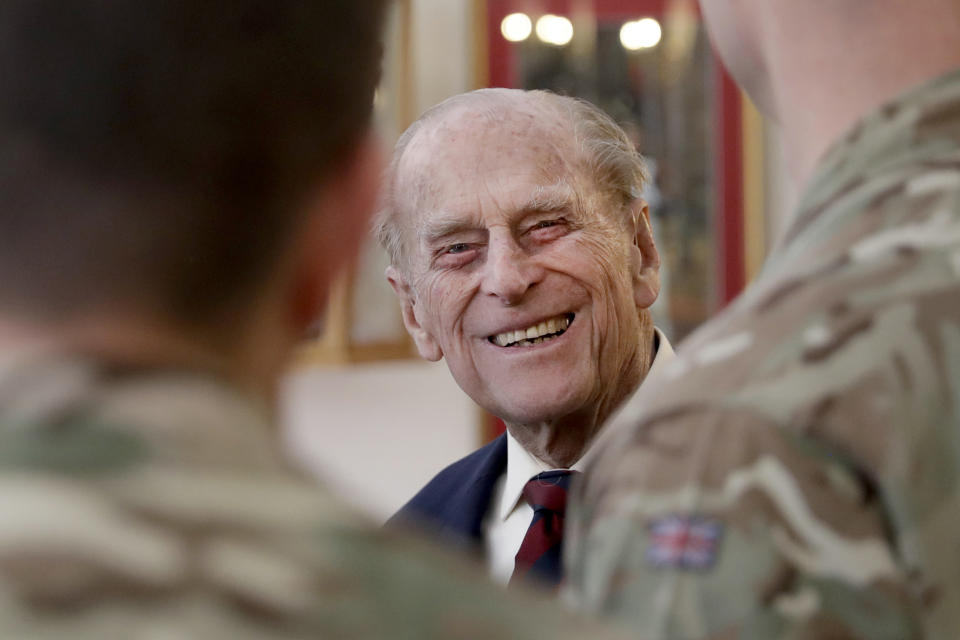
(534, 334)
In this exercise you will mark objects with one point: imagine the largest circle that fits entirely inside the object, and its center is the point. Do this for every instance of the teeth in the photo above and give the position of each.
(534, 334)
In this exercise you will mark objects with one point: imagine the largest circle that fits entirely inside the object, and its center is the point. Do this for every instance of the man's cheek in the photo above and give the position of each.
(445, 307)
(431, 292)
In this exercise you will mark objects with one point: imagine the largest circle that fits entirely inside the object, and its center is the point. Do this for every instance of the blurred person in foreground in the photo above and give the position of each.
(179, 182)
(794, 473)
(522, 255)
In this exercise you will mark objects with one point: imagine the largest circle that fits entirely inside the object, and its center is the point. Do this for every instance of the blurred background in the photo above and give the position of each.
(358, 397)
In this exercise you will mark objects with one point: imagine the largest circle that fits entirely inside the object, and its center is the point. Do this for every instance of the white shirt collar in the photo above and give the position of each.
(522, 465)
(663, 356)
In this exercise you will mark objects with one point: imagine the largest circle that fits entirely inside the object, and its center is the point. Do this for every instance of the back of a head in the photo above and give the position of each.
(156, 153)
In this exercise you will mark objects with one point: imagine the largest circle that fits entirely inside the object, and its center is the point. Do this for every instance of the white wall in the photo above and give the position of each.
(442, 50)
(376, 433)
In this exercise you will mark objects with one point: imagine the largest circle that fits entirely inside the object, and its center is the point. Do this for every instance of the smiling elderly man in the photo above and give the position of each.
(522, 254)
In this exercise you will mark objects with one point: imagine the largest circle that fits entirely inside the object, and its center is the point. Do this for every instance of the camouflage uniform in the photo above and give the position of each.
(795, 472)
(152, 505)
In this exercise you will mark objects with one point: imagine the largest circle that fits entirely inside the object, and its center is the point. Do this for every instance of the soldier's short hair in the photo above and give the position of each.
(154, 152)
(608, 154)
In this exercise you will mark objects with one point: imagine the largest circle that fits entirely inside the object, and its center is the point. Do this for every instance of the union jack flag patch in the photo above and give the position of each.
(684, 542)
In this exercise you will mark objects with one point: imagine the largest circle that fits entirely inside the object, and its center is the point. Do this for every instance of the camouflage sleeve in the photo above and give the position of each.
(716, 524)
(157, 510)
(795, 472)
(133, 550)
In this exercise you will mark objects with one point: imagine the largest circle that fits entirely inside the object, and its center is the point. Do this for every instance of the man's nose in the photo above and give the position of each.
(509, 271)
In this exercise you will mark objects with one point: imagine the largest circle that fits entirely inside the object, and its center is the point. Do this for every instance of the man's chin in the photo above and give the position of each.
(544, 410)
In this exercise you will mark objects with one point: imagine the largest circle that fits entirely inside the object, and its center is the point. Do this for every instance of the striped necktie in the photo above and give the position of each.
(541, 551)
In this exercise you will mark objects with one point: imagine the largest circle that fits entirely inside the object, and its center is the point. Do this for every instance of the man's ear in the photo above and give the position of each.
(645, 259)
(426, 344)
(337, 219)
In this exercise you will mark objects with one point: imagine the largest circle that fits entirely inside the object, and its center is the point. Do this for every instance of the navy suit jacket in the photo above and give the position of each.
(452, 505)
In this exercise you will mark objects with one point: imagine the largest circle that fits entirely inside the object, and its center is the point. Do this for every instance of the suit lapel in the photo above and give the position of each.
(465, 518)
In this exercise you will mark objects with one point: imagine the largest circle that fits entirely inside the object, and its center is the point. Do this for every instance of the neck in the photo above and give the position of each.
(136, 343)
(835, 71)
(562, 441)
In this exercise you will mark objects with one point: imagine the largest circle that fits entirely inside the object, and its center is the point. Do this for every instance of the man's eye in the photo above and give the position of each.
(543, 224)
(459, 247)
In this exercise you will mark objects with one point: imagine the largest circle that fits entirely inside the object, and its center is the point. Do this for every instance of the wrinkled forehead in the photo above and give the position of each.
(486, 148)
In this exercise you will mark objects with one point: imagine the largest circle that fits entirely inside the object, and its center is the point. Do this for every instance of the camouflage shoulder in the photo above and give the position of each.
(716, 525)
(160, 552)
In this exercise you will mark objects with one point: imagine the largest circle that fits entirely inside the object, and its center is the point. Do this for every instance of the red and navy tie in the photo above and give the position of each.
(541, 551)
